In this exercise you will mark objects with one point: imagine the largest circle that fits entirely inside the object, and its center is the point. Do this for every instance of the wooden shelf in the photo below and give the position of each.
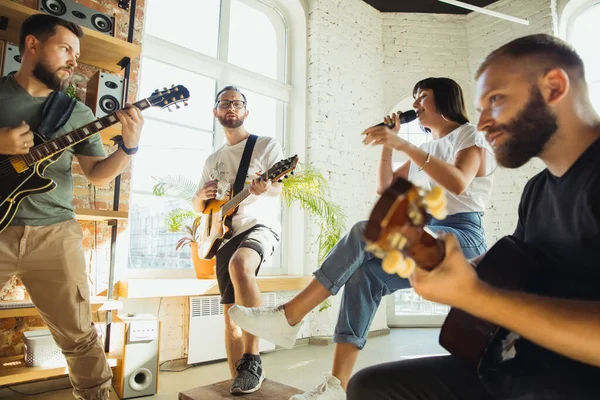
(13, 370)
(98, 304)
(97, 49)
(88, 214)
(145, 288)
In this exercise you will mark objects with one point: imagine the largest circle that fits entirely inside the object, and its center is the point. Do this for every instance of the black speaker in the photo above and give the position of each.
(105, 93)
(84, 16)
(11, 59)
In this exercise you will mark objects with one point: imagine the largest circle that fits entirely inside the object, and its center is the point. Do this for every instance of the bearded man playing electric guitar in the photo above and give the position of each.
(255, 227)
(42, 243)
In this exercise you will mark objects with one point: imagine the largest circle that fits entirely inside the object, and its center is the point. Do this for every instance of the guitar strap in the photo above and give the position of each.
(56, 111)
(244, 164)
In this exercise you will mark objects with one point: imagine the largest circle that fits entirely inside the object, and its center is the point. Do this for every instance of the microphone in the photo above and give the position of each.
(405, 117)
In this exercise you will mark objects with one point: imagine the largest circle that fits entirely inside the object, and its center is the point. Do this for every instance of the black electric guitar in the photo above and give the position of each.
(215, 222)
(23, 175)
(396, 233)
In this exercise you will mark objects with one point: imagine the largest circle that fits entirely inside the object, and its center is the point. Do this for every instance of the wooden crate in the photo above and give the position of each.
(270, 390)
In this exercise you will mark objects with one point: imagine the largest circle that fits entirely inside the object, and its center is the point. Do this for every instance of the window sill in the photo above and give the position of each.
(147, 288)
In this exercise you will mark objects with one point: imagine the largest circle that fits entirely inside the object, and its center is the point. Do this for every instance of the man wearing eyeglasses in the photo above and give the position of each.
(256, 229)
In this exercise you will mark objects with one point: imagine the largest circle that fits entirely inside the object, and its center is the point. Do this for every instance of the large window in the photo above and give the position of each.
(582, 31)
(203, 45)
(406, 308)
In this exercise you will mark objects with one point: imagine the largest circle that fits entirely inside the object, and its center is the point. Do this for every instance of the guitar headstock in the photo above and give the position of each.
(396, 230)
(168, 97)
(281, 169)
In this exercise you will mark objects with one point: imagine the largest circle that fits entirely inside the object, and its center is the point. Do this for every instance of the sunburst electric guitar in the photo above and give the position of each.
(215, 222)
(23, 175)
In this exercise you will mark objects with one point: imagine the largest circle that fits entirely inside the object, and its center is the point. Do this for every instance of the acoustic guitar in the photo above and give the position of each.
(396, 232)
(216, 219)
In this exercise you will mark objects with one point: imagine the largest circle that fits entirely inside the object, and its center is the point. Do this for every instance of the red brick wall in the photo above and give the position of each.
(86, 195)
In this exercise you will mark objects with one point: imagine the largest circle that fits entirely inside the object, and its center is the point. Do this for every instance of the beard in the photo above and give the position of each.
(231, 123)
(48, 77)
(528, 132)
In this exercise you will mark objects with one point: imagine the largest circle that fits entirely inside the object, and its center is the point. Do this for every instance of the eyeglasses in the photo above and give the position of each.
(225, 104)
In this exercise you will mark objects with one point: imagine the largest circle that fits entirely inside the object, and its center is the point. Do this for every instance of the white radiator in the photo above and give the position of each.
(207, 327)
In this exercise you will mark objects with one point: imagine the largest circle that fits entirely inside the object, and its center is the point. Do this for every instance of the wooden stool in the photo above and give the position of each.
(269, 390)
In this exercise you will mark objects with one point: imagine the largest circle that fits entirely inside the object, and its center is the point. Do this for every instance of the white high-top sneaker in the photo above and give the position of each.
(269, 323)
(328, 390)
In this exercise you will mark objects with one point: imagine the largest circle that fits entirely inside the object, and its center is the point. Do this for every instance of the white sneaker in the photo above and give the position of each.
(268, 323)
(331, 389)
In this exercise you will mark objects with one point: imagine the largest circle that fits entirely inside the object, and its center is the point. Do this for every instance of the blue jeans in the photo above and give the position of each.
(366, 282)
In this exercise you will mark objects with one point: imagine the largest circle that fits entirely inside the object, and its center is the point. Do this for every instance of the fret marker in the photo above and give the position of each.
(69, 138)
(86, 130)
(98, 125)
(112, 118)
(54, 145)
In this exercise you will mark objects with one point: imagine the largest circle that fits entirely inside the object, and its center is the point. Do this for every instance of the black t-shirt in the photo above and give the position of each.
(560, 218)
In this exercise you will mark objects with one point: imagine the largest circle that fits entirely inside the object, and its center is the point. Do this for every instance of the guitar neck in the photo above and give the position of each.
(237, 199)
(55, 146)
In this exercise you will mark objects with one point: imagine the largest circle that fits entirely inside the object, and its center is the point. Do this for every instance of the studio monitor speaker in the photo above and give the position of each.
(140, 363)
(11, 59)
(84, 16)
(105, 93)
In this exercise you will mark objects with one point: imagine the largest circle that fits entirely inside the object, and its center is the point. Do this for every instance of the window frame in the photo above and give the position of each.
(289, 90)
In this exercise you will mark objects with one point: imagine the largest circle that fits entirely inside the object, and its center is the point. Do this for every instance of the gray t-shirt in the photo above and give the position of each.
(17, 105)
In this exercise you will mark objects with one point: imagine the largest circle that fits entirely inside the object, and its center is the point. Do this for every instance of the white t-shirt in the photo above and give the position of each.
(475, 198)
(223, 165)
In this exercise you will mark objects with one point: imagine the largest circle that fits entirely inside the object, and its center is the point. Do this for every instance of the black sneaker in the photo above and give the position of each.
(250, 375)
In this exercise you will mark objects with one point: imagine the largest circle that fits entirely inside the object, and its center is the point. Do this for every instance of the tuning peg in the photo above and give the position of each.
(172, 86)
(177, 106)
(155, 92)
(173, 99)
(292, 173)
(279, 180)
(165, 88)
(285, 176)
(169, 108)
(185, 103)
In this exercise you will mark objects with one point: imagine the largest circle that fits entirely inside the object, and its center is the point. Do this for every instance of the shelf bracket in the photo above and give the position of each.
(124, 62)
(3, 23)
(124, 4)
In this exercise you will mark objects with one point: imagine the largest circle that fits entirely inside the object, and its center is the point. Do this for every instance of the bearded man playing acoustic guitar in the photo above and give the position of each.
(255, 229)
(42, 244)
(534, 102)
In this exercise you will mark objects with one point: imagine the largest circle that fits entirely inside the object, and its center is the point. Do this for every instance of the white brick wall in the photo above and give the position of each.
(345, 92)
(484, 34)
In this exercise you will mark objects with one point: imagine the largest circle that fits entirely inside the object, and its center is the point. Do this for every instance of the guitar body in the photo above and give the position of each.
(214, 228)
(509, 264)
(16, 186)
(396, 225)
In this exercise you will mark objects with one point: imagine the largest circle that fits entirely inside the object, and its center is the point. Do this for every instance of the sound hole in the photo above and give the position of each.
(140, 378)
(109, 103)
(54, 7)
(78, 14)
(102, 23)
